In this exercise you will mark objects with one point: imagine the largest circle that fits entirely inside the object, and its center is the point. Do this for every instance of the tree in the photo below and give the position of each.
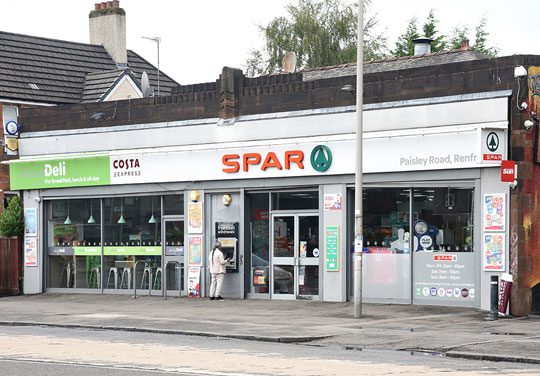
(320, 32)
(11, 219)
(404, 44)
(430, 31)
(480, 43)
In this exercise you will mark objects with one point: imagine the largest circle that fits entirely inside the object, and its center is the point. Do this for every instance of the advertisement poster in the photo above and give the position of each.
(30, 252)
(493, 252)
(195, 250)
(30, 222)
(494, 212)
(195, 218)
(194, 286)
(332, 248)
(332, 201)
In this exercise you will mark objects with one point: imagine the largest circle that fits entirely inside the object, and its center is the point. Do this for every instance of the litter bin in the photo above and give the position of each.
(505, 287)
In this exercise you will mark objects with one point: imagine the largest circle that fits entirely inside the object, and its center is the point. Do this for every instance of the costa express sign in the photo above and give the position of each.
(320, 158)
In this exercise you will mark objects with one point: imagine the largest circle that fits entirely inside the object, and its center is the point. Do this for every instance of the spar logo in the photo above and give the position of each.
(320, 158)
(126, 167)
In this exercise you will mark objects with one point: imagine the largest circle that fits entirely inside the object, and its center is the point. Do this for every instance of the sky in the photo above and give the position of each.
(200, 37)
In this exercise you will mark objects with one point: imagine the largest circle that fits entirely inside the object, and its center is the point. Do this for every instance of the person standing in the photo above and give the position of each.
(216, 266)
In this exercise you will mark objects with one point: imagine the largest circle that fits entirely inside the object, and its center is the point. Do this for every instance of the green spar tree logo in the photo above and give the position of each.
(492, 141)
(321, 158)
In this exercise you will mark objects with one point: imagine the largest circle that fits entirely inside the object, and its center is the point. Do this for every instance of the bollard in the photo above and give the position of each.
(494, 306)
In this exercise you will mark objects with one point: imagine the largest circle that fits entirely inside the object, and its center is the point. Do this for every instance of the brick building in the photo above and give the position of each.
(47, 72)
(266, 165)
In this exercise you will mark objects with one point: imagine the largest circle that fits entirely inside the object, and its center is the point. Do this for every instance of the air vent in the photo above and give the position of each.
(34, 86)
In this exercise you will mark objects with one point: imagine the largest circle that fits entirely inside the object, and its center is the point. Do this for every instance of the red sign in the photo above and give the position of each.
(233, 162)
(508, 171)
(444, 258)
(492, 157)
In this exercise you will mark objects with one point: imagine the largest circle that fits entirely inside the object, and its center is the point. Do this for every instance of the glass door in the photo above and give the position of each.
(295, 256)
(174, 254)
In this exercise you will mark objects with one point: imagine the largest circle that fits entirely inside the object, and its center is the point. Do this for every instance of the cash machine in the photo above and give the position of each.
(227, 235)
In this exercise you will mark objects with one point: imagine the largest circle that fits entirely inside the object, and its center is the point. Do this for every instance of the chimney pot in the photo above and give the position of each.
(422, 46)
(109, 4)
(97, 6)
(465, 45)
(116, 4)
(104, 5)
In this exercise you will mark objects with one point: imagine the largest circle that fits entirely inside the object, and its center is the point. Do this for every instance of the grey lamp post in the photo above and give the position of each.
(358, 237)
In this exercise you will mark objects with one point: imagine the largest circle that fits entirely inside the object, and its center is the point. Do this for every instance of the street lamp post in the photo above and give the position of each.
(358, 237)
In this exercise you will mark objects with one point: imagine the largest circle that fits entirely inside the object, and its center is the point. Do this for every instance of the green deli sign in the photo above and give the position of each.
(58, 173)
(132, 251)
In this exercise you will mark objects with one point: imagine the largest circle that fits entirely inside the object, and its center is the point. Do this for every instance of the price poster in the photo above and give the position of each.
(194, 279)
(30, 252)
(494, 212)
(195, 217)
(195, 250)
(494, 252)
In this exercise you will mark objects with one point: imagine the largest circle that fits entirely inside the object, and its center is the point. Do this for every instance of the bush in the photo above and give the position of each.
(11, 219)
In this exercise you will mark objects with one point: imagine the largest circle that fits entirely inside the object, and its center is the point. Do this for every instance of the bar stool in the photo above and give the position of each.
(156, 280)
(126, 274)
(114, 271)
(95, 273)
(147, 275)
(67, 270)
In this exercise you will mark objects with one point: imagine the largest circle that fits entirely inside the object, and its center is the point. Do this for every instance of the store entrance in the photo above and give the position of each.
(174, 255)
(295, 256)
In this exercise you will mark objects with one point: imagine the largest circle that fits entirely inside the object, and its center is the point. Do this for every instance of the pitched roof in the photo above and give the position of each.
(54, 71)
(99, 84)
(393, 64)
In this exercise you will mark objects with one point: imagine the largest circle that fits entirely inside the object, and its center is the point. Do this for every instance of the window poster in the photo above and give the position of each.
(195, 218)
(494, 252)
(494, 212)
(30, 252)
(195, 250)
(30, 222)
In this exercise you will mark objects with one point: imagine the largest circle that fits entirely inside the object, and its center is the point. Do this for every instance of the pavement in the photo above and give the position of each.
(450, 331)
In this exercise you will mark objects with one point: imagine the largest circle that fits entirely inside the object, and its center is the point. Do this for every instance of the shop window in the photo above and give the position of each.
(173, 205)
(443, 220)
(259, 240)
(74, 243)
(295, 200)
(132, 230)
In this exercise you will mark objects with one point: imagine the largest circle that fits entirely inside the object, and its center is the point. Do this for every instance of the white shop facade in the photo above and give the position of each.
(139, 206)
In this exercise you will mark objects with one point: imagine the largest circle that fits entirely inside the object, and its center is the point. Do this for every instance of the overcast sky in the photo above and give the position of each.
(199, 37)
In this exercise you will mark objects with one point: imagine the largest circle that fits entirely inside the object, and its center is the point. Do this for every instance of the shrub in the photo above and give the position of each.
(11, 219)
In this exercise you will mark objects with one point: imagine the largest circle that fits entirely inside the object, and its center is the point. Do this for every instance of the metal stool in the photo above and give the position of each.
(126, 273)
(95, 273)
(67, 270)
(156, 280)
(114, 271)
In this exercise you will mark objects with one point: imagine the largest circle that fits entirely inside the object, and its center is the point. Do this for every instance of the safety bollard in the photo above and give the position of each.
(494, 307)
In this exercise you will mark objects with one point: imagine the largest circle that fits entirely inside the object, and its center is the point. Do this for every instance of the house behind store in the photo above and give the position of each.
(267, 163)
(46, 72)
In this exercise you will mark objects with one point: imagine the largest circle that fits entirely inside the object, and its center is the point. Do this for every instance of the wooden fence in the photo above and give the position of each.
(10, 266)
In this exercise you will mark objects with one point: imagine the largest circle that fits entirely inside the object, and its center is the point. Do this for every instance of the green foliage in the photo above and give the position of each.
(480, 43)
(404, 44)
(430, 31)
(11, 219)
(319, 32)
(459, 35)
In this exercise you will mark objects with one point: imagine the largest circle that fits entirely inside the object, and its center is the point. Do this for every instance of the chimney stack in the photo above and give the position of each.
(422, 46)
(465, 45)
(108, 28)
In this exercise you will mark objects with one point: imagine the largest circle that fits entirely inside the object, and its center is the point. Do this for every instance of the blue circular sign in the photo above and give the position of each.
(12, 128)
